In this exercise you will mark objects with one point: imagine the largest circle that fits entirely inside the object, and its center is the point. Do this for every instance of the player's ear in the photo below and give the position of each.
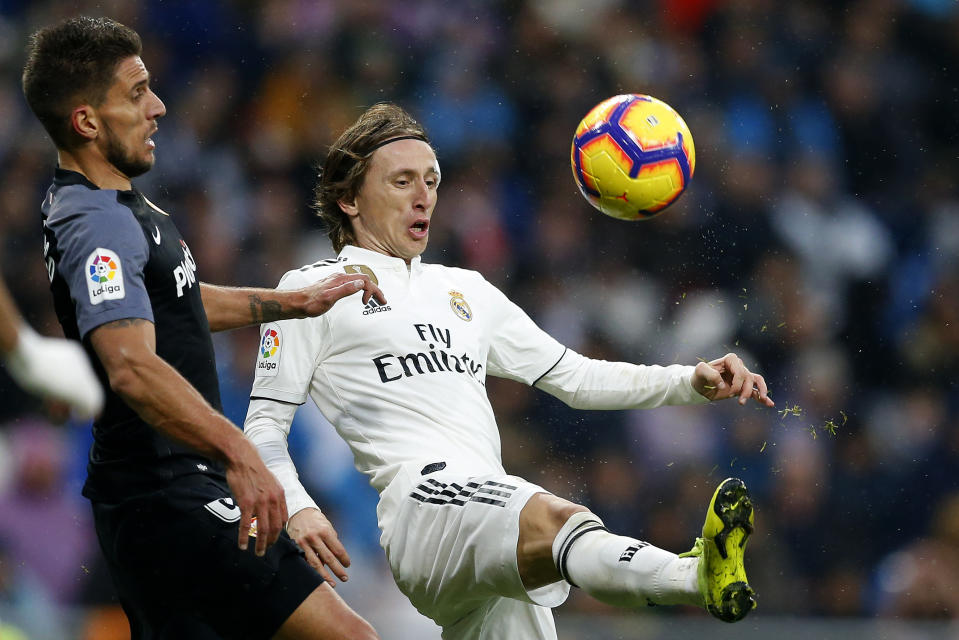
(85, 122)
(348, 207)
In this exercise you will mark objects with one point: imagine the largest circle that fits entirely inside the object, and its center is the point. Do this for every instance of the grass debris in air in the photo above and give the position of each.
(830, 426)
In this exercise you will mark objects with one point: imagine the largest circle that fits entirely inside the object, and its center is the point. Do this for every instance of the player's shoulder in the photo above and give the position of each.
(79, 204)
(456, 275)
(442, 270)
(310, 273)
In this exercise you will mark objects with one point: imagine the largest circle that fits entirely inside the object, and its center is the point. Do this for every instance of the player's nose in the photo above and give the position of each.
(421, 194)
(157, 108)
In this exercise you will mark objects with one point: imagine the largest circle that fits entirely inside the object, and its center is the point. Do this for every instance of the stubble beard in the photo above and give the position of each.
(124, 161)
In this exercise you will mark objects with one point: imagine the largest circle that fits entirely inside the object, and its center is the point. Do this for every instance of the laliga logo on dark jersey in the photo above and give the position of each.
(104, 276)
(185, 273)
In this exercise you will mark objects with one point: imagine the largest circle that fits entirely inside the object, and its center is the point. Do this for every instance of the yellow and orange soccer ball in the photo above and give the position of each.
(632, 156)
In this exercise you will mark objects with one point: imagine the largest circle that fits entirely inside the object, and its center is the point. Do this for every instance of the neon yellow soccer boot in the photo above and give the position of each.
(722, 576)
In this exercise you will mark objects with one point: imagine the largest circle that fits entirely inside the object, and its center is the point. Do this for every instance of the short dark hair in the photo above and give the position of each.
(342, 174)
(70, 63)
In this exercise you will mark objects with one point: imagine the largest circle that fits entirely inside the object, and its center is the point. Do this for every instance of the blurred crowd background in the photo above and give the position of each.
(819, 240)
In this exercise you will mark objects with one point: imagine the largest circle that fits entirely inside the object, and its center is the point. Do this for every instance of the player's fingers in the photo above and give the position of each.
(760, 383)
(351, 287)
(759, 388)
(263, 524)
(739, 376)
(244, 534)
(276, 523)
(342, 285)
(378, 293)
(747, 390)
(763, 392)
(708, 381)
(314, 560)
(336, 292)
(714, 377)
(333, 563)
(336, 547)
(326, 575)
(372, 291)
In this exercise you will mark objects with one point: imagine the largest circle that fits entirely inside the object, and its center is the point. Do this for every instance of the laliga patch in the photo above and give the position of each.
(104, 276)
(268, 356)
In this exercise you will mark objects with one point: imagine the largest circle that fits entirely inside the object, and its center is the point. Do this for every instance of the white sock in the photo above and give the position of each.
(622, 571)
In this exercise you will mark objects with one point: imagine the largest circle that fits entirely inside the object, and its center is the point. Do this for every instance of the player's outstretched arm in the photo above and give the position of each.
(728, 377)
(233, 307)
(168, 402)
(50, 367)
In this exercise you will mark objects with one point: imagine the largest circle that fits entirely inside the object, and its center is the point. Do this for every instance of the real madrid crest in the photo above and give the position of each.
(459, 306)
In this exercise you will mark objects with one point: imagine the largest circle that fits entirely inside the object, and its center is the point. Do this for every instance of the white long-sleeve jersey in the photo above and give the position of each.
(404, 383)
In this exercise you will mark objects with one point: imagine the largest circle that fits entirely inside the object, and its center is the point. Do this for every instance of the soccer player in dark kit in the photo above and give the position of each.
(174, 485)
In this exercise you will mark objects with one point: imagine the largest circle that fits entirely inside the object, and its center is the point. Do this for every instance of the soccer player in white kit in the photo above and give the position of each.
(483, 553)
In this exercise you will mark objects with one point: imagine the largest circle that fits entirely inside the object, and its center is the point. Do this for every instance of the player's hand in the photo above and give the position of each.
(310, 529)
(57, 369)
(323, 294)
(258, 493)
(728, 377)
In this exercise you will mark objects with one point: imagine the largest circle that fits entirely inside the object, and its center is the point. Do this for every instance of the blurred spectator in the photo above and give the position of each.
(919, 581)
(36, 502)
(26, 609)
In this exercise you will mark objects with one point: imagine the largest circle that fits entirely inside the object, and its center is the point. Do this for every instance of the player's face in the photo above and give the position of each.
(128, 118)
(391, 213)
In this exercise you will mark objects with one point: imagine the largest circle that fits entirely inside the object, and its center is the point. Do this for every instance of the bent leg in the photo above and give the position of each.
(324, 615)
(561, 540)
(539, 523)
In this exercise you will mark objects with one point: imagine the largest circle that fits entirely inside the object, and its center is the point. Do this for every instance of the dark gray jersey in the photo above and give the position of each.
(113, 255)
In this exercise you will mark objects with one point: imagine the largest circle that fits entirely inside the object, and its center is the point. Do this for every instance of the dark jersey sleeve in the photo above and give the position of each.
(102, 256)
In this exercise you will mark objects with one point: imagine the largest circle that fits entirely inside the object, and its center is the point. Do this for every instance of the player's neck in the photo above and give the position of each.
(95, 168)
(377, 247)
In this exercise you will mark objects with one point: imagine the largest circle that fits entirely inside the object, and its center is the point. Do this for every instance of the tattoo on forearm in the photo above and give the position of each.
(265, 310)
(125, 322)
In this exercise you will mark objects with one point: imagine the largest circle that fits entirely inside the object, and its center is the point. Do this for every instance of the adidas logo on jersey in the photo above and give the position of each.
(373, 306)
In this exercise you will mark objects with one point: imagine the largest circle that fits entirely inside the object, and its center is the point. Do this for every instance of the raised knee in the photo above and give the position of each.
(558, 511)
(540, 522)
(545, 514)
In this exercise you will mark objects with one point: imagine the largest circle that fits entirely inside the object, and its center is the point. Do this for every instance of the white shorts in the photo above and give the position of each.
(452, 550)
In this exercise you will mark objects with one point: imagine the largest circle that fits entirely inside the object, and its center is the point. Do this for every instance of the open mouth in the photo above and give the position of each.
(420, 228)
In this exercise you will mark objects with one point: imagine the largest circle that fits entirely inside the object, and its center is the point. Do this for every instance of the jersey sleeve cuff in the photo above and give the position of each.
(279, 395)
(111, 315)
